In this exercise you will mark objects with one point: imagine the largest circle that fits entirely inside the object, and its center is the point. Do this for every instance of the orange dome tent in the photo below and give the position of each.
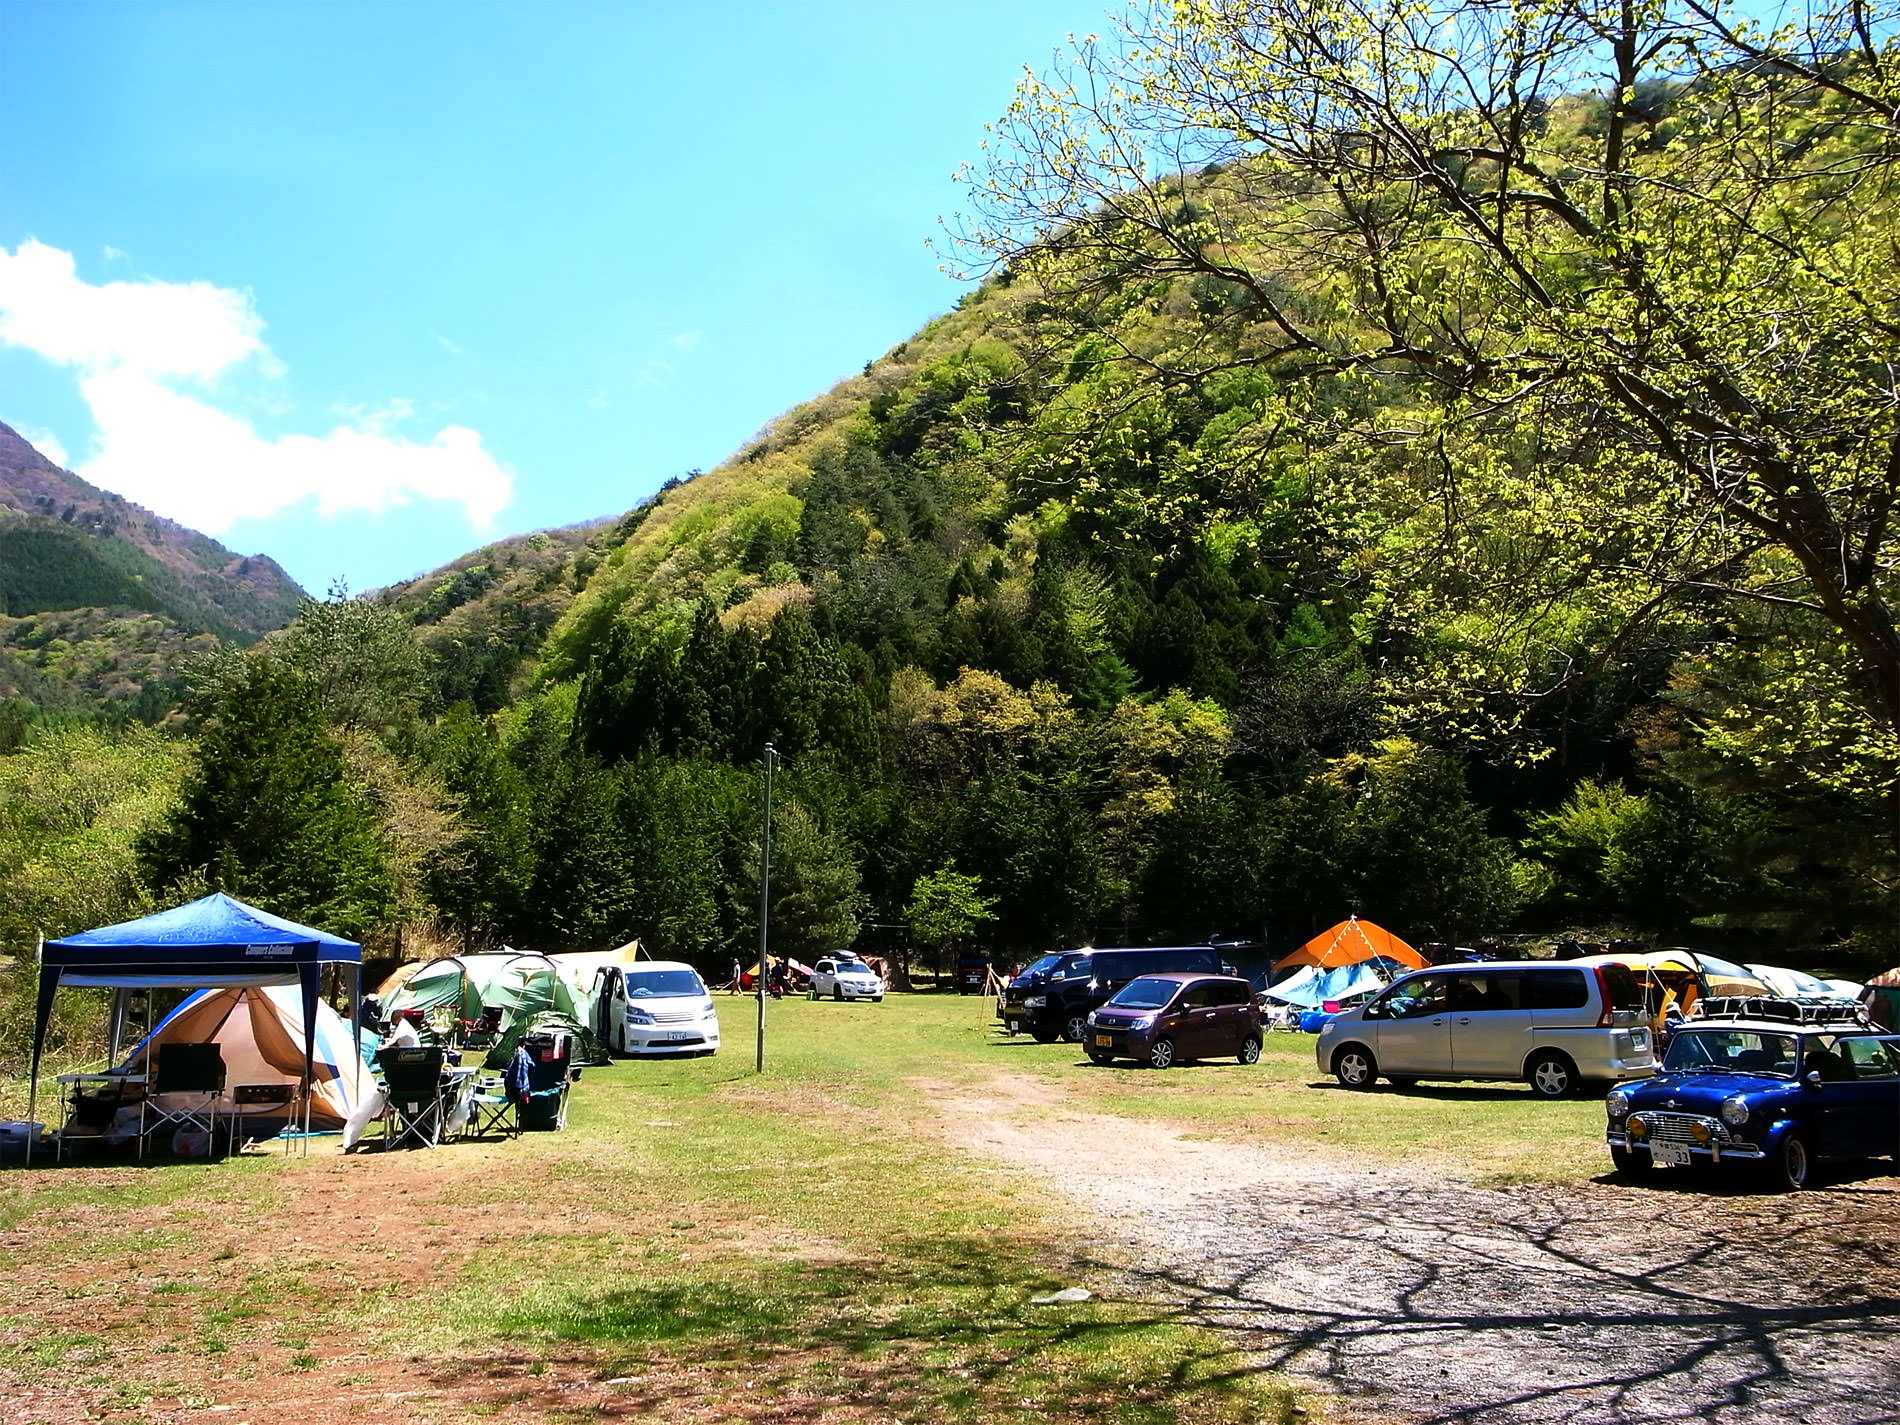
(1351, 942)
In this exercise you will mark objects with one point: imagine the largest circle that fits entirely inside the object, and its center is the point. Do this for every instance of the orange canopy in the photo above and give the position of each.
(1348, 943)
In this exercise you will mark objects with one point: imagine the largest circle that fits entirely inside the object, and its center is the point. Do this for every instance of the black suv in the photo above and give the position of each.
(1052, 998)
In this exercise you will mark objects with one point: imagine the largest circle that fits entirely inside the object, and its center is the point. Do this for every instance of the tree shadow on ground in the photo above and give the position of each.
(1610, 1308)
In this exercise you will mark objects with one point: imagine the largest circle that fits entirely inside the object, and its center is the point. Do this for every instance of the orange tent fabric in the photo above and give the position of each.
(399, 977)
(1348, 943)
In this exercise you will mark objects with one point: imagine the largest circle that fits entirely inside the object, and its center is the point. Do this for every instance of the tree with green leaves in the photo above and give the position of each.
(1597, 299)
(269, 813)
(946, 906)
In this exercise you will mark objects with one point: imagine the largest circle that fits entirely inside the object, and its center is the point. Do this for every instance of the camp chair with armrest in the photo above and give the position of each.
(416, 1102)
(491, 1110)
(544, 1102)
(191, 1076)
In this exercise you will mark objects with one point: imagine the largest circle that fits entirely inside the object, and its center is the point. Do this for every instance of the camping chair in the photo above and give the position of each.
(492, 1111)
(480, 1033)
(416, 1104)
(193, 1072)
(283, 1095)
(544, 1105)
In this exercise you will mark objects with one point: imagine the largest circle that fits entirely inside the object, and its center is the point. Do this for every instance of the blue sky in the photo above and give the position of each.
(362, 286)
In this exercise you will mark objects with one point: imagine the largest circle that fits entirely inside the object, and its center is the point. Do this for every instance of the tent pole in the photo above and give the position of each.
(33, 1083)
(356, 1038)
(117, 1022)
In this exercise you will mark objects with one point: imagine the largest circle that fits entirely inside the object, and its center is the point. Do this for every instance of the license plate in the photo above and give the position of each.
(1669, 1155)
(1103, 1041)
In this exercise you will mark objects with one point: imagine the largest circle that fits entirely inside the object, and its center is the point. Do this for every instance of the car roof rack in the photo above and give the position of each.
(1773, 1008)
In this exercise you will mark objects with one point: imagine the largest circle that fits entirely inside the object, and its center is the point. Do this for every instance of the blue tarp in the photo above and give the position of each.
(1309, 989)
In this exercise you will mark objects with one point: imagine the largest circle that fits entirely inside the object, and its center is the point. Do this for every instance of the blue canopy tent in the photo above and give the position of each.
(208, 943)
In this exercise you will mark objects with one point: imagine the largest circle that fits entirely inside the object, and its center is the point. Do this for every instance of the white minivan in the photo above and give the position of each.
(1556, 1026)
(657, 1007)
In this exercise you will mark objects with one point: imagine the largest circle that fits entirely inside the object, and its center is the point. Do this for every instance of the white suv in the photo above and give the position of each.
(842, 977)
(1556, 1026)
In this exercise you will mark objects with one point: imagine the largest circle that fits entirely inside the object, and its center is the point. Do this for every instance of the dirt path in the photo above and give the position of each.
(1430, 1299)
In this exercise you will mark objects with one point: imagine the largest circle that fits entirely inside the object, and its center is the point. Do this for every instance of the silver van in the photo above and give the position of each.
(1558, 1027)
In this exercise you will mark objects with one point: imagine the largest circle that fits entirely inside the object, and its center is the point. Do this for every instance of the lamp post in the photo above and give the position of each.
(765, 903)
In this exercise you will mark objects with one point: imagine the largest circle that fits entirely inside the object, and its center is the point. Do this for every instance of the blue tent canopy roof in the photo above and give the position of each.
(216, 923)
(214, 941)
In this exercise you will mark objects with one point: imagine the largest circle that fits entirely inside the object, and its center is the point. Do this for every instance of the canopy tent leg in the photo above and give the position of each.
(43, 1009)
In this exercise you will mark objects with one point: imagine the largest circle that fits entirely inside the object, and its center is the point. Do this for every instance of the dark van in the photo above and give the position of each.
(1055, 1001)
(973, 974)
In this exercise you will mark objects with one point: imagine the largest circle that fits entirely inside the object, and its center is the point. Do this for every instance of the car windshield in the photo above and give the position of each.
(646, 984)
(1036, 967)
(1144, 994)
(853, 967)
(1734, 1051)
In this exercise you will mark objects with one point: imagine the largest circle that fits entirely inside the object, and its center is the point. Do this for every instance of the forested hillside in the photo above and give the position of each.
(1250, 549)
(101, 600)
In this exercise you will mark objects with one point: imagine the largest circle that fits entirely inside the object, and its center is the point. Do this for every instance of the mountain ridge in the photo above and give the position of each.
(63, 538)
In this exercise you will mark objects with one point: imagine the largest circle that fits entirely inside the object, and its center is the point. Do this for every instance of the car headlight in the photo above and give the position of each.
(1735, 1111)
(1036, 1002)
(1327, 1028)
(1617, 1104)
(1639, 1127)
(709, 1012)
(639, 1016)
(1142, 1021)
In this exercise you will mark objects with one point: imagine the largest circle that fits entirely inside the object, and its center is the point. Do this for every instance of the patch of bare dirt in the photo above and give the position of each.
(312, 1285)
(1427, 1297)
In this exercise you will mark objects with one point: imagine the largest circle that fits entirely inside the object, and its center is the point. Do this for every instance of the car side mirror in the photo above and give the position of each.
(1375, 1010)
(1812, 1078)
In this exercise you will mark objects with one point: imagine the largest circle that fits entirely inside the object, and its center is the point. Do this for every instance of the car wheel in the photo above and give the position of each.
(1101, 1058)
(1044, 1036)
(1355, 1067)
(1076, 1028)
(877, 999)
(1631, 1162)
(1790, 1166)
(837, 992)
(1552, 1076)
(1161, 1054)
(1249, 1050)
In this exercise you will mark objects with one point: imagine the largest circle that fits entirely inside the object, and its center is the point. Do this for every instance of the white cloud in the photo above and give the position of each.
(149, 355)
(115, 254)
(45, 442)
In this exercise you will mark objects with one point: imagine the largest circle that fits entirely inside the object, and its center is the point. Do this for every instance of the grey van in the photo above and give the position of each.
(1557, 1027)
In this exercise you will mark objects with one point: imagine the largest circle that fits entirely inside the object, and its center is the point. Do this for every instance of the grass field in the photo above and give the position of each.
(802, 1245)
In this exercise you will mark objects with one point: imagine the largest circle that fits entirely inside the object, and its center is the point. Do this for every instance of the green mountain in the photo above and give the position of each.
(99, 598)
(1268, 544)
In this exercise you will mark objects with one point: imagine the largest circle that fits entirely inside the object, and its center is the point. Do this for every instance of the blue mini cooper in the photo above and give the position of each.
(1773, 1095)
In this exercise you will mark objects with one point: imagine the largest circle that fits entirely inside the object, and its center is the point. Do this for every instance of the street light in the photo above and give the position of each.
(765, 902)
